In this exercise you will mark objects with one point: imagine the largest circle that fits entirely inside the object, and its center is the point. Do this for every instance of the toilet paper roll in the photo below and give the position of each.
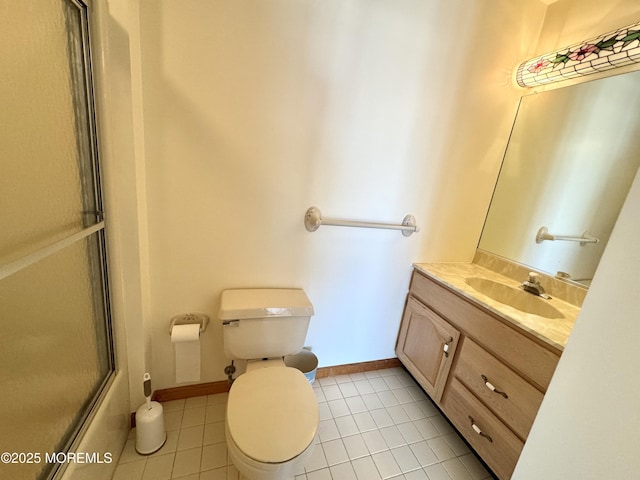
(186, 342)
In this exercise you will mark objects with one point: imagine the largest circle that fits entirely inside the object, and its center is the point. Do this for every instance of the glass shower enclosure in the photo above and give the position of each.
(56, 352)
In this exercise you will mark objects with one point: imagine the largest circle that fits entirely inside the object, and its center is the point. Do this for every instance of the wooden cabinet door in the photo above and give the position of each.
(426, 346)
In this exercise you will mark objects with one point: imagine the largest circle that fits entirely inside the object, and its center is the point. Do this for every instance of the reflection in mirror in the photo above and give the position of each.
(569, 164)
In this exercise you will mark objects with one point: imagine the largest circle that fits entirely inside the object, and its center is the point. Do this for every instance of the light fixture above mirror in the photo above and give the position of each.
(605, 52)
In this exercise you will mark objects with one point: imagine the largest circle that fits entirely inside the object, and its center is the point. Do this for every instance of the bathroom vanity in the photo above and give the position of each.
(486, 364)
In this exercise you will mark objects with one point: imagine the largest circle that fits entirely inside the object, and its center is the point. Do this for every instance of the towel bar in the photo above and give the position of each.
(313, 219)
(543, 234)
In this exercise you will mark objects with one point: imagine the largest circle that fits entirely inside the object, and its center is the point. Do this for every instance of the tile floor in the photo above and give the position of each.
(373, 425)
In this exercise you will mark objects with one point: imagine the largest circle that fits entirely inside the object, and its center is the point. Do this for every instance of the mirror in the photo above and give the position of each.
(569, 164)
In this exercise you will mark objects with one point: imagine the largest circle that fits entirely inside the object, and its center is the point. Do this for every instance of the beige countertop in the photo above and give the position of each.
(555, 331)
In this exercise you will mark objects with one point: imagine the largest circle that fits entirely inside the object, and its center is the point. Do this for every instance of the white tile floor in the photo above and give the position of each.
(373, 425)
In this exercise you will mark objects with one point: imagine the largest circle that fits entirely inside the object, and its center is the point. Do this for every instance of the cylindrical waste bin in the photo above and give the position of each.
(150, 432)
(305, 361)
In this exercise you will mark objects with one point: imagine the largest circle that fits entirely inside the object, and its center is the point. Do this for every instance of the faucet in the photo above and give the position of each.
(533, 286)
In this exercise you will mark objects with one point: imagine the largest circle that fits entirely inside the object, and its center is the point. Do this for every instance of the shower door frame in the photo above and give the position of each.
(84, 8)
(97, 226)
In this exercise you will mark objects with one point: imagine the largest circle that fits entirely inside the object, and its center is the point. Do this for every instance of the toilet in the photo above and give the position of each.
(272, 412)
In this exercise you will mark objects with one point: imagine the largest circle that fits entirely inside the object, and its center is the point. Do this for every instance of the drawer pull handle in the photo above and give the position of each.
(490, 386)
(446, 346)
(477, 429)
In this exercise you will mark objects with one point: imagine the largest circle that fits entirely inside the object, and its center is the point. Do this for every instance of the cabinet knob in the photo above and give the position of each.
(477, 429)
(490, 386)
(446, 346)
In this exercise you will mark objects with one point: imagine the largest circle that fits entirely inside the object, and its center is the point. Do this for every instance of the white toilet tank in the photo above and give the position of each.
(264, 322)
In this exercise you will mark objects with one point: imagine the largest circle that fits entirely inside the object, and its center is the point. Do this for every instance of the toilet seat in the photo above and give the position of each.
(272, 414)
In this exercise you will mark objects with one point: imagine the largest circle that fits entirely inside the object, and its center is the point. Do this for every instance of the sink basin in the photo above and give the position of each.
(514, 297)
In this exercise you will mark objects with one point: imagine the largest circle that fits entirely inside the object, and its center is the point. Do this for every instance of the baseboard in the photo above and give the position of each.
(176, 393)
(211, 388)
(358, 367)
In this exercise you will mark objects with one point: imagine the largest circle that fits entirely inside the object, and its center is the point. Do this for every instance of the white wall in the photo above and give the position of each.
(571, 21)
(254, 111)
(588, 422)
(123, 159)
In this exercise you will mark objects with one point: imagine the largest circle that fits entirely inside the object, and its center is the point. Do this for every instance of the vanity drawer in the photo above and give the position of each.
(522, 353)
(489, 437)
(513, 399)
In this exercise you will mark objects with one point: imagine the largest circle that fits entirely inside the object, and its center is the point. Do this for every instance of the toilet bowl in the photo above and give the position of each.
(272, 421)
(272, 413)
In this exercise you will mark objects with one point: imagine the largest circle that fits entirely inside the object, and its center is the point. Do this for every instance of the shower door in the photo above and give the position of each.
(56, 351)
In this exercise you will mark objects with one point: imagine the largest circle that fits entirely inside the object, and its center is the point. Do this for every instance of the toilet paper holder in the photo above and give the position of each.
(190, 318)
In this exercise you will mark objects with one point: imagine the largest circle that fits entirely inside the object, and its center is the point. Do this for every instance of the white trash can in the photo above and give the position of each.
(305, 361)
(150, 432)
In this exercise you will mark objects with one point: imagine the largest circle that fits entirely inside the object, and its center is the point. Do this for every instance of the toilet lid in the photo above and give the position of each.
(272, 414)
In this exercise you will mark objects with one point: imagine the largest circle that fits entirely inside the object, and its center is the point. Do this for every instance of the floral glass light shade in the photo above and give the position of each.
(608, 51)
